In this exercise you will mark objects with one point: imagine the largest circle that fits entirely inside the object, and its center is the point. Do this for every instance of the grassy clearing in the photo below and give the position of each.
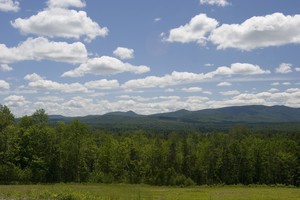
(120, 192)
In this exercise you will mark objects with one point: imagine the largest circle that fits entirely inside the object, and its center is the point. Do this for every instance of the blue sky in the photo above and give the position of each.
(82, 57)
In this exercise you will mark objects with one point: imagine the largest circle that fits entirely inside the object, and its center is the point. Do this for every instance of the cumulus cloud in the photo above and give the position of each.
(194, 100)
(50, 99)
(9, 5)
(275, 83)
(230, 93)
(208, 65)
(262, 98)
(61, 22)
(40, 83)
(5, 68)
(42, 49)
(240, 68)
(215, 2)
(258, 32)
(224, 84)
(66, 3)
(4, 85)
(297, 69)
(15, 101)
(207, 92)
(124, 53)
(61, 87)
(292, 90)
(33, 77)
(273, 90)
(192, 89)
(284, 68)
(102, 84)
(144, 99)
(175, 78)
(105, 65)
(195, 31)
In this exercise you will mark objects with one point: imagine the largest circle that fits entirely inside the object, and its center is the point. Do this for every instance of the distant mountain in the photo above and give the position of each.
(194, 120)
(246, 114)
(126, 114)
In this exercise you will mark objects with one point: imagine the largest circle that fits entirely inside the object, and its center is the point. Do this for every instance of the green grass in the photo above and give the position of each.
(122, 191)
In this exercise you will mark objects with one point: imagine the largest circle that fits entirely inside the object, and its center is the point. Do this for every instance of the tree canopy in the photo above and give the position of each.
(33, 151)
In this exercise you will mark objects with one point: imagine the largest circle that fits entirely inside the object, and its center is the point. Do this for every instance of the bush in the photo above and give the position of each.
(184, 181)
(11, 173)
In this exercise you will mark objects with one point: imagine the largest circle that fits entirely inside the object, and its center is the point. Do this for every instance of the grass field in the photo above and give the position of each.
(120, 192)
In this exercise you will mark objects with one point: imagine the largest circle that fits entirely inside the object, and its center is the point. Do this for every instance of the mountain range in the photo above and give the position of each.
(184, 119)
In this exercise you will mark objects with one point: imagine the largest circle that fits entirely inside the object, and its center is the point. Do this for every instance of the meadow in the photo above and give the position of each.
(127, 191)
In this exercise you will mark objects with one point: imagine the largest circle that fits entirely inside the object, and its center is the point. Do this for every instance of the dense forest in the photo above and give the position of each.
(32, 151)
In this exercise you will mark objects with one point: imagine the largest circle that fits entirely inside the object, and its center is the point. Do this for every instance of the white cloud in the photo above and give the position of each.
(258, 32)
(275, 83)
(102, 84)
(176, 78)
(4, 85)
(33, 77)
(207, 92)
(15, 101)
(240, 68)
(60, 22)
(292, 90)
(195, 100)
(157, 19)
(38, 83)
(9, 5)
(42, 49)
(284, 68)
(273, 90)
(297, 69)
(144, 99)
(230, 93)
(195, 31)
(78, 102)
(286, 83)
(5, 68)
(224, 84)
(61, 87)
(215, 2)
(192, 89)
(51, 99)
(66, 3)
(247, 69)
(209, 65)
(124, 53)
(105, 65)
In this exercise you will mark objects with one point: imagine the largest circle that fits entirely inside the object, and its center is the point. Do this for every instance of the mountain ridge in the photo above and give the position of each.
(246, 114)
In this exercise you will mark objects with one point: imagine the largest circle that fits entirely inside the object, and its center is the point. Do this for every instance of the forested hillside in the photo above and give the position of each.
(257, 117)
(31, 151)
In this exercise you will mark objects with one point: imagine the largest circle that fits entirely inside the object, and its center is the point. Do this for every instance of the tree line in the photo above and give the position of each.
(32, 151)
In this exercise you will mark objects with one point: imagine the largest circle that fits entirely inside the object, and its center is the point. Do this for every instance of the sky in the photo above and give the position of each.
(90, 57)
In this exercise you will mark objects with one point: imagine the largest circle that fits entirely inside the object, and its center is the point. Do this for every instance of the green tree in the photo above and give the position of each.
(6, 117)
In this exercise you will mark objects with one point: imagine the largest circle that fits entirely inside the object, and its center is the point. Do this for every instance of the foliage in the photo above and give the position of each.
(32, 151)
